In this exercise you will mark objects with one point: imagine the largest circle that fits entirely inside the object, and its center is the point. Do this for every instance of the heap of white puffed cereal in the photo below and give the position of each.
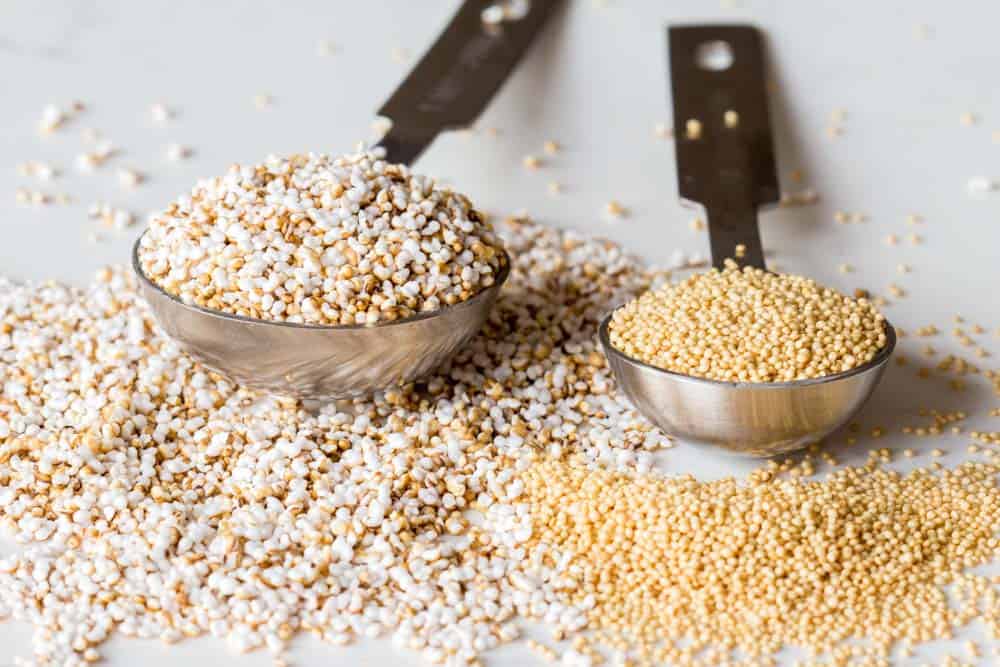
(322, 240)
(158, 500)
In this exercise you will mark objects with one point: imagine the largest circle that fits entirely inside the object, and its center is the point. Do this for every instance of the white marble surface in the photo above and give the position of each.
(595, 83)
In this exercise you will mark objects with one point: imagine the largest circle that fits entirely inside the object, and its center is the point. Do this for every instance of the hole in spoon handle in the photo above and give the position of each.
(723, 140)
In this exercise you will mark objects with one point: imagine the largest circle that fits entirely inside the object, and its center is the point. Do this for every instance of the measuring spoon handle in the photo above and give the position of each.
(460, 74)
(723, 141)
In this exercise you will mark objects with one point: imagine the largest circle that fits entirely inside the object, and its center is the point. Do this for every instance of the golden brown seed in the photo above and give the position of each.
(745, 324)
(692, 128)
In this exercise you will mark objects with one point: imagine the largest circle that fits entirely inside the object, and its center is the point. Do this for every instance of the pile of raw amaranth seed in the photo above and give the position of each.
(755, 566)
(749, 325)
(322, 240)
(158, 500)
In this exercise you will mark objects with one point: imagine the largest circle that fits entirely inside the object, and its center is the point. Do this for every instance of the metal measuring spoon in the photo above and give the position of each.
(729, 168)
(447, 89)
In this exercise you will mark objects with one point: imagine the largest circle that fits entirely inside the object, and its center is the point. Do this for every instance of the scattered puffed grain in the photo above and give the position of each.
(981, 185)
(160, 113)
(52, 119)
(177, 152)
(399, 55)
(159, 500)
(130, 178)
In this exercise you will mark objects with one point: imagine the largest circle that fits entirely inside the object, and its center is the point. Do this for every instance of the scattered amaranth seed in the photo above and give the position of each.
(531, 162)
(111, 217)
(692, 128)
(615, 209)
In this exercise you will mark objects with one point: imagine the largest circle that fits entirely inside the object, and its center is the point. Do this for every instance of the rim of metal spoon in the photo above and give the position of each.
(498, 282)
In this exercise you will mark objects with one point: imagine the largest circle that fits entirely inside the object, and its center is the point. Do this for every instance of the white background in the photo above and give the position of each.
(904, 72)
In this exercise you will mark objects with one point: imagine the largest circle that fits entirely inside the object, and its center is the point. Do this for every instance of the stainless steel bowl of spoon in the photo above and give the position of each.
(444, 90)
(749, 418)
(318, 362)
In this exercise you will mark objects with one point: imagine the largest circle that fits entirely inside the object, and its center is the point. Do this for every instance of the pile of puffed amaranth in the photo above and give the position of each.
(158, 500)
(322, 240)
(749, 325)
